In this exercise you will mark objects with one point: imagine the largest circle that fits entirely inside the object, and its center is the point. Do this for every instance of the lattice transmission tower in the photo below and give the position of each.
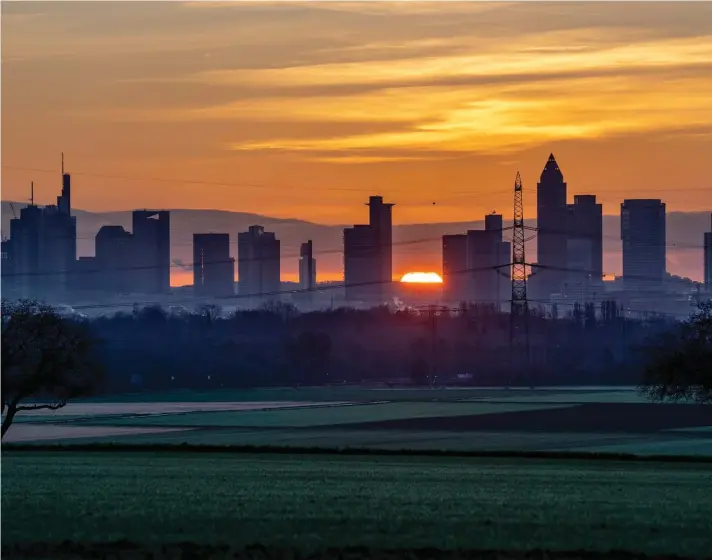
(519, 311)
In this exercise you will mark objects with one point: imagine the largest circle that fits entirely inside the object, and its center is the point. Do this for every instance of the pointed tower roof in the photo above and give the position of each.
(551, 172)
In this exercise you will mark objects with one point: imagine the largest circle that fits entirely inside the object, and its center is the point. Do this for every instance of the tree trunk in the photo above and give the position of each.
(11, 411)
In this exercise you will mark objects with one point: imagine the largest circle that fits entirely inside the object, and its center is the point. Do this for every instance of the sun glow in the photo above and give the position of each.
(422, 278)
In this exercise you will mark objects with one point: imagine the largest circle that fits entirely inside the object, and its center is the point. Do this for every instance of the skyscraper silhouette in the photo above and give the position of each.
(584, 277)
(368, 255)
(307, 270)
(152, 251)
(258, 265)
(213, 268)
(455, 278)
(115, 259)
(552, 234)
(643, 236)
(42, 249)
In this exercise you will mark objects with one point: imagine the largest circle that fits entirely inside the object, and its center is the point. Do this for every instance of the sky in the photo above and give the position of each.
(304, 109)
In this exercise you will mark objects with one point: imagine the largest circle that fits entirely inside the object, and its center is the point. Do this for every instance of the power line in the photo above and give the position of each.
(319, 288)
(197, 182)
(174, 265)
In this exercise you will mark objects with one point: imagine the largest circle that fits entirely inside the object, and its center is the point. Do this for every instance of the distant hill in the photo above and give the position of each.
(417, 246)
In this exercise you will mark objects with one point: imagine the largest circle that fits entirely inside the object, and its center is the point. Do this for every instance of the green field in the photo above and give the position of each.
(318, 501)
(473, 419)
(325, 415)
(365, 394)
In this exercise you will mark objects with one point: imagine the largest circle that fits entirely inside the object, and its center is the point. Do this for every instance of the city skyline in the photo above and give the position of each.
(336, 102)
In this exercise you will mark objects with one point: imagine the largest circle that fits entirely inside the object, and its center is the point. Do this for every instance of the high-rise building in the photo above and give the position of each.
(152, 251)
(584, 276)
(552, 230)
(381, 220)
(455, 276)
(258, 264)
(483, 258)
(643, 236)
(307, 270)
(361, 264)
(42, 249)
(494, 223)
(708, 259)
(368, 255)
(115, 261)
(213, 268)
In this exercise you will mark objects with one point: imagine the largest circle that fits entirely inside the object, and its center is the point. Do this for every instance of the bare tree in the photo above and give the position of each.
(46, 359)
(679, 365)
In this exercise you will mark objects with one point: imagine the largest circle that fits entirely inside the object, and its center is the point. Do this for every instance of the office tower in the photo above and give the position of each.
(483, 257)
(213, 269)
(258, 261)
(455, 276)
(152, 251)
(381, 220)
(708, 259)
(584, 277)
(43, 247)
(368, 255)
(643, 236)
(307, 270)
(552, 235)
(361, 264)
(494, 223)
(114, 251)
(64, 201)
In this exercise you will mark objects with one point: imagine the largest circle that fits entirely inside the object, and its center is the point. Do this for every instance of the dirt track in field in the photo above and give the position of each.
(110, 409)
(595, 417)
(25, 432)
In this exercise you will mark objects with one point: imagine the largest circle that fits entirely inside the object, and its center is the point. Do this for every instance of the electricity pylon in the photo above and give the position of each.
(519, 310)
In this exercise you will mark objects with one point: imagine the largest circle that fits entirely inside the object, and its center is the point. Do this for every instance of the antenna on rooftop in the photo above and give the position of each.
(62, 163)
(32, 193)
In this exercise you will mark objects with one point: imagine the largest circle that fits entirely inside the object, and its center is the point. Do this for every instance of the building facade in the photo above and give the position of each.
(258, 265)
(494, 223)
(116, 261)
(361, 264)
(213, 268)
(552, 231)
(483, 258)
(152, 251)
(41, 252)
(307, 270)
(643, 236)
(584, 277)
(455, 277)
(368, 255)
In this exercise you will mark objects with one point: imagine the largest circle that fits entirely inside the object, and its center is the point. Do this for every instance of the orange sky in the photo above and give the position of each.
(306, 109)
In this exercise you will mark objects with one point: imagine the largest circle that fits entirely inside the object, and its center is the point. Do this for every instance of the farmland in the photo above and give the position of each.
(153, 495)
(547, 419)
(312, 502)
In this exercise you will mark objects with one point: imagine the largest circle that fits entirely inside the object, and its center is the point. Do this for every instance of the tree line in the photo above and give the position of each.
(48, 359)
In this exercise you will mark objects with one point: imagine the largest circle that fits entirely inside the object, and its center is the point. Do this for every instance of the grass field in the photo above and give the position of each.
(473, 419)
(318, 501)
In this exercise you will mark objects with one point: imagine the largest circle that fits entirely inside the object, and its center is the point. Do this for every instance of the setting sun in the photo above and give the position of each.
(422, 278)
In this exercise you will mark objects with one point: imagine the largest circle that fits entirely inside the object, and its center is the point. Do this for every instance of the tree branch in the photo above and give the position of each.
(53, 406)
